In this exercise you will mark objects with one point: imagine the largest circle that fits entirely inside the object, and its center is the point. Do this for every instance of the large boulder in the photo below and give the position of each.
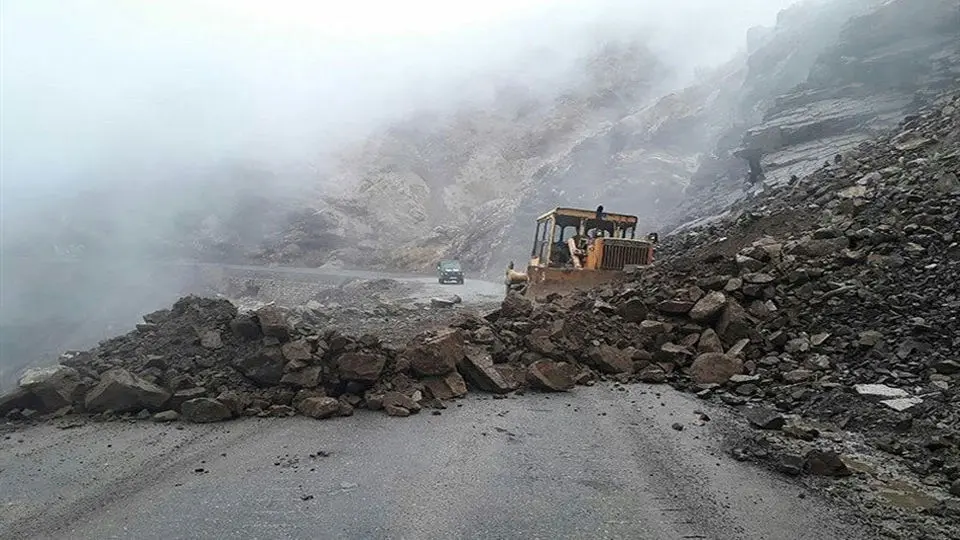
(449, 386)
(211, 339)
(55, 387)
(361, 367)
(609, 359)
(540, 341)
(319, 407)
(675, 307)
(715, 368)
(708, 307)
(121, 391)
(245, 326)
(19, 399)
(515, 306)
(237, 402)
(735, 323)
(264, 367)
(633, 310)
(297, 351)
(184, 395)
(273, 322)
(478, 369)
(204, 410)
(551, 376)
(399, 404)
(709, 342)
(437, 353)
(308, 377)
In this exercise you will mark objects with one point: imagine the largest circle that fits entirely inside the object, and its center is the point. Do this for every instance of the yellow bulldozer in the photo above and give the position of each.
(580, 249)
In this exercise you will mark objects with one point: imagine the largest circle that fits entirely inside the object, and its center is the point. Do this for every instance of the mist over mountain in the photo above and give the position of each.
(631, 131)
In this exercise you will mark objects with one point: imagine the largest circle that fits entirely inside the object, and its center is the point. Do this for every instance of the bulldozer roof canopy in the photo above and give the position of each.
(572, 216)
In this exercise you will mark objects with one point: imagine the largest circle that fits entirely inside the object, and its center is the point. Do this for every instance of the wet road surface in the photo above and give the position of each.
(594, 463)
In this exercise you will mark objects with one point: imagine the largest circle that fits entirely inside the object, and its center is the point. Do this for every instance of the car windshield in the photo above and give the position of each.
(449, 265)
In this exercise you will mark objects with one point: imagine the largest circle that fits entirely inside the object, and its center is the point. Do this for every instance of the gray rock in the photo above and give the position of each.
(797, 376)
(436, 354)
(400, 404)
(298, 350)
(758, 278)
(121, 391)
(764, 418)
(211, 339)
(55, 387)
(748, 263)
(308, 377)
(273, 323)
(902, 404)
(245, 326)
(734, 323)
(264, 367)
(361, 367)
(652, 328)
(551, 376)
(673, 353)
(947, 183)
(182, 396)
(870, 338)
(880, 391)
(205, 410)
(826, 463)
(715, 368)
(446, 387)
(652, 374)
(166, 416)
(708, 307)
(791, 464)
(675, 307)
(947, 367)
(478, 369)
(18, 399)
(320, 407)
(709, 342)
(610, 359)
(515, 306)
(633, 310)
(797, 345)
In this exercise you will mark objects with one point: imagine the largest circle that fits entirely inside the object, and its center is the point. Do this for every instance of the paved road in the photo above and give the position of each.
(595, 463)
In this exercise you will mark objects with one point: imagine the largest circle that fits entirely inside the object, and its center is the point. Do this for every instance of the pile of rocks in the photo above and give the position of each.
(205, 361)
(834, 298)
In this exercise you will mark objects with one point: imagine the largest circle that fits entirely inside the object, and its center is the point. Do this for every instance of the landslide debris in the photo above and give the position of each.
(829, 302)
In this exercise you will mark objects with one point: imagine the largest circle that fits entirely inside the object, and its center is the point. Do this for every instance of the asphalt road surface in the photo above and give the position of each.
(594, 463)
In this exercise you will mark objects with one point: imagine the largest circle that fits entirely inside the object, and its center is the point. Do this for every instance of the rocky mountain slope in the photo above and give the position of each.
(441, 179)
(866, 75)
(824, 310)
(828, 76)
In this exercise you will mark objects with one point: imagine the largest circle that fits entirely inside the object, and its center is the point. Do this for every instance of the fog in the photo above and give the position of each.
(133, 113)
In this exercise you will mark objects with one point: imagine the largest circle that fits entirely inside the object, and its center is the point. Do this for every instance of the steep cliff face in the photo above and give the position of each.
(874, 62)
(829, 75)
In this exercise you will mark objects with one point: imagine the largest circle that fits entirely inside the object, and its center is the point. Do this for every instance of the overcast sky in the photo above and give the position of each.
(124, 85)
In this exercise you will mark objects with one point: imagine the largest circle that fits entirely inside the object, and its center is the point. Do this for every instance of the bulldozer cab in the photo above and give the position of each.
(576, 248)
(589, 240)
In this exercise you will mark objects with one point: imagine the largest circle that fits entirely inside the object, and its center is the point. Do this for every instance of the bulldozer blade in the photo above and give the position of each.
(545, 281)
